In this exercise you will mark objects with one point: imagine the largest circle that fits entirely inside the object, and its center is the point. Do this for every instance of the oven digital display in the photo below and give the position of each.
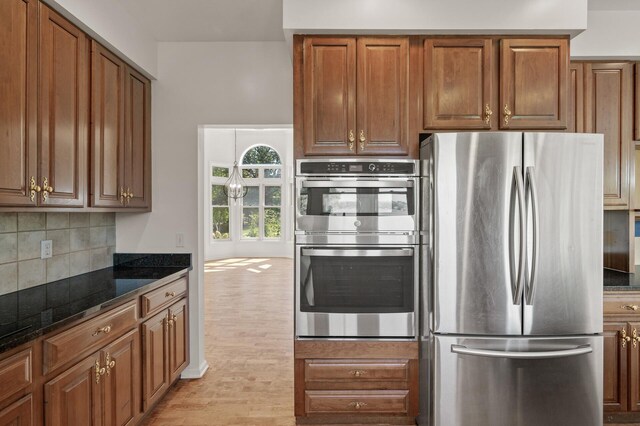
(355, 167)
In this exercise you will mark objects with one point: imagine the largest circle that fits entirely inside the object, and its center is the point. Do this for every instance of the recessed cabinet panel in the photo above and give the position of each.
(155, 333)
(329, 95)
(64, 107)
(457, 84)
(18, 101)
(575, 117)
(615, 366)
(178, 343)
(122, 384)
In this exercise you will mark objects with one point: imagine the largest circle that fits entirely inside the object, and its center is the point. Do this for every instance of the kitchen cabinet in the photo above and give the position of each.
(615, 365)
(19, 413)
(356, 382)
(533, 83)
(178, 329)
(155, 334)
(122, 380)
(457, 83)
(636, 132)
(608, 110)
(355, 95)
(575, 116)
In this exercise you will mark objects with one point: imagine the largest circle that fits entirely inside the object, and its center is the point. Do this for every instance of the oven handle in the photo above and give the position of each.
(350, 183)
(358, 253)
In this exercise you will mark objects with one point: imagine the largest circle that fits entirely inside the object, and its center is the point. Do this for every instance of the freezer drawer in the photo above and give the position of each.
(513, 381)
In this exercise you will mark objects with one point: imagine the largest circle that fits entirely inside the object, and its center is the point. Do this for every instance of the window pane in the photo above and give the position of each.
(219, 171)
(250, 222)
(272, 222)
(217, 196)
(272, 173)
(261, 154)
(272, 195)
(250, 173)
(220, 223)
(253, 196)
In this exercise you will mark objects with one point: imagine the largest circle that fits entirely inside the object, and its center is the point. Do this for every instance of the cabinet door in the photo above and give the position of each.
(383, 96)
(178, 341)
(575, 117)
(615, 366)
(122, 380)
(155, 367)
(20, 413)
(634, 366)
(63, 106)
(75, 396)
(608, 104)
(137, 140)
(107, 135)
(329, 75)
(636, 135)
(18, 100)
(457, 84)
(533, 83)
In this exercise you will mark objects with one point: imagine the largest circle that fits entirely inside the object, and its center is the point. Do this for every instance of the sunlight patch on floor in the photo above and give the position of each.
(224, 265)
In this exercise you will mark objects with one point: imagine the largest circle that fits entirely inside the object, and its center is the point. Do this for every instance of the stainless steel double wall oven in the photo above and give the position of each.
(357, 252)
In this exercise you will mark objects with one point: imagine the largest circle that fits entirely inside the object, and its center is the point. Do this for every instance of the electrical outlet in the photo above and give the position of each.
(46, 249)
(179, 239)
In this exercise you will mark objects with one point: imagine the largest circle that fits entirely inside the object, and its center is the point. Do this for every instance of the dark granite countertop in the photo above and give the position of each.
(621, 281)
(32, 312)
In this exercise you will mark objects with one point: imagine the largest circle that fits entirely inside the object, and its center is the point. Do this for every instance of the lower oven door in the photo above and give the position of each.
(356, 291)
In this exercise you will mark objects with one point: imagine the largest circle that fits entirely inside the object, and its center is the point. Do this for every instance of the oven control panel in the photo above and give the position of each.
(371, 167)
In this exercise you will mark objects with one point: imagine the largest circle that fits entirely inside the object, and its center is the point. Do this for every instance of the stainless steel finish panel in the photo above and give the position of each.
(565, 296)
(355, 238)
(356, 160)
(336, 182)
(467, 389)
(473, 196)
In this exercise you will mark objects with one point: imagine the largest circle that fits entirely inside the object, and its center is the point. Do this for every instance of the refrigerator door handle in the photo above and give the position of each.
(578, 350)
(532, 197)
(517, 284)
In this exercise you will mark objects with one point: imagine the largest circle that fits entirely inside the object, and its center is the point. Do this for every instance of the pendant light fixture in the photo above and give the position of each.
(235, 187)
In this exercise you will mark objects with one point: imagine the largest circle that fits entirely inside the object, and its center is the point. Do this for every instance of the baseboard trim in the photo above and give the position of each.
(190, 373)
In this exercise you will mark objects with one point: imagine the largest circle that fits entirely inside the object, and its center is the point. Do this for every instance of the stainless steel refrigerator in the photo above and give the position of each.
(511, 279)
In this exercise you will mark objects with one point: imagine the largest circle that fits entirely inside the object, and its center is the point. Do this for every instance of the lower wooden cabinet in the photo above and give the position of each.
(20, 413)
(178, 349)
(122, 380)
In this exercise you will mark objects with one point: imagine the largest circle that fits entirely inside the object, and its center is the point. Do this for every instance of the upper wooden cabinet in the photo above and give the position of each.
(533, 80)
(608, 110)
(575, 116)
(457, 83)
(636, 132)
(63, 110)
(121, 133)
(355, 96)
(18, 101)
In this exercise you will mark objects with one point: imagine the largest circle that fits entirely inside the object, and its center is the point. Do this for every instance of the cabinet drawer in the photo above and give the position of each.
(90, 335)
(163, 296)
(622, 304)
(318, 370)
(15, 373)
(370, 402)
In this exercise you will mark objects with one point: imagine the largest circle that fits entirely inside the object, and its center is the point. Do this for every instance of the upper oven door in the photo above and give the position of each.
(356, 204)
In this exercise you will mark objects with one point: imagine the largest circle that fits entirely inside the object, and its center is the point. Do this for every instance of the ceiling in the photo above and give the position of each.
(208, 20)
(614, 4)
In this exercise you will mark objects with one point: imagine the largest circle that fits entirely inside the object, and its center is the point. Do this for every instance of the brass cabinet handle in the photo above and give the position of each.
(170, 294)
(99, 371)
(630, 307)
(106, 330)
(46, 189)
(507, 114)
(110, 363)
(487, 114)
(166, 322)
(352, 139)
(33, 188)
(123, 195)
(358, 373)
(624, 338)
(357, 404)
(128, 195)
(362, 140)
(635, 339)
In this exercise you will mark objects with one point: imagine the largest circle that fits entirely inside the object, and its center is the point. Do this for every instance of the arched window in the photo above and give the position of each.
(262, 206)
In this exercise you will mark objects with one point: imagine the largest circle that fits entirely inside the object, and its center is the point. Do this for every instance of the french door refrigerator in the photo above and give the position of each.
(511, 279)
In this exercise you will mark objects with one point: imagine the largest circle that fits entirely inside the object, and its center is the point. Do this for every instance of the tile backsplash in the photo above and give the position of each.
(82, 242)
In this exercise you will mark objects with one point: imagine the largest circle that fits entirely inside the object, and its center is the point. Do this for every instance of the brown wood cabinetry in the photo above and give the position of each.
(356, 382)
(575, 116)
(178, 330)
(355, 95)
(122, 380)
(533, 79)
(615, 366)
(608, 110)
(20, 413)
(457, 83)
(636, 132)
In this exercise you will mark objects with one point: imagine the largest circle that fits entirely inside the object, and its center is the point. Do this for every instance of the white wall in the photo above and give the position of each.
(110, 24)
(219, 149)
(201, 83)
(613, 34)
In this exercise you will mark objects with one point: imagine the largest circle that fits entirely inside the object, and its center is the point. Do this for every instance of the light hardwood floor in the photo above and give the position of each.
(249, 347)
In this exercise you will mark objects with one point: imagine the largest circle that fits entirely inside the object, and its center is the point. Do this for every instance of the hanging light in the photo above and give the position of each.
(235, 187)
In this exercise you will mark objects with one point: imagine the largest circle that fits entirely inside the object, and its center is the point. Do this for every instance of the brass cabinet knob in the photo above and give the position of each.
(123, 195)
(635, 339)
(624, 338)
(358, 373)
(170, 294)
(362, 140)
(630, 307)
(129, 195)
(99, 371)
(46, 189)
(507, 114)
(352, 139)
(110, 363)
(33, 189)
(357, 404)
(106, 330)
(487, 114)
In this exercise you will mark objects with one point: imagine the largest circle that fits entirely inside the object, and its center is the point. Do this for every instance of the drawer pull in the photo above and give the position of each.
(106, 330)
(170, 294)
(99, 371)
(630, 307)
(358, 373)
(357, 404)
(110, 363)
